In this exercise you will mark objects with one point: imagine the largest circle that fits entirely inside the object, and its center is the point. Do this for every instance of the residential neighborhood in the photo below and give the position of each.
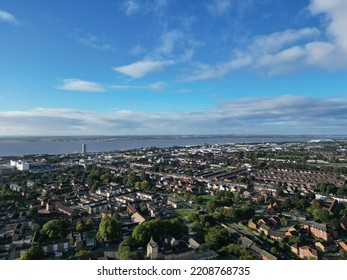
(262, 201)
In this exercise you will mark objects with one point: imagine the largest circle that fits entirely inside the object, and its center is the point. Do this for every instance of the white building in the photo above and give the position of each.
(20, 165)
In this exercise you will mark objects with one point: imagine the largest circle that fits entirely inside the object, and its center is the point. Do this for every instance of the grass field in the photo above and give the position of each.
(183, 213)
(206, 197)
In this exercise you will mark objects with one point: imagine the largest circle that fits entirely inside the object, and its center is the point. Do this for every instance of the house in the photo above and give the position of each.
(107, 213)
(319, 230)
(306, 252)
(97, 207)
(153, 211)
(56, 248)
(16, 188)
(66, 210)
(333, 207)
(256, 251)
(292, 231)
(170, 248)
(275, 235)
(78, 244)
(138, 218)
(252, 224)
(296, 215)
(326, 246)
(173, 204)
(131, 209)
(274, 221)
(294, 248)
(89, 239)
(207, 255)
(264, 228)
(343, 245)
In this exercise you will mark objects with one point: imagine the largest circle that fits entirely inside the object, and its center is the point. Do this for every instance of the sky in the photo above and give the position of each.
(166, 67)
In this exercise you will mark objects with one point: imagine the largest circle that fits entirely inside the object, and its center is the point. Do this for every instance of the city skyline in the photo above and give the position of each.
(168, 67)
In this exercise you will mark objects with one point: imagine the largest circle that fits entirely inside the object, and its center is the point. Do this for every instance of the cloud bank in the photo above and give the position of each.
(265, 115)
(288, 51)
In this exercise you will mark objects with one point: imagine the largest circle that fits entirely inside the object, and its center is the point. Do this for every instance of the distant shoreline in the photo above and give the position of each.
(144, 137)
(53, 145)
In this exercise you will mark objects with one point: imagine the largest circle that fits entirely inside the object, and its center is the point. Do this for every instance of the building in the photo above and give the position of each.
(84, 148)
(20, 165)
(153, 250)
(320, 231)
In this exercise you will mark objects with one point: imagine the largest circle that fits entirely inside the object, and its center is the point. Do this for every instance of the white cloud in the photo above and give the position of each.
(7, 17)
(219, 7)
(224, 7)
(277, 40)
(205, 71)
(154, 7)
(80, 85)
(283, 114)
(141, 68)
(124, 87)
(131, 7)
(290, 50)
(168, 41)
(335, 11)
(93, 41)
(176, 45)
(152, 86)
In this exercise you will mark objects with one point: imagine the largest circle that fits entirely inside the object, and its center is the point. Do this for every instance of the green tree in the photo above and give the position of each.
(216, 238)
(284, 221)
(315, 204)
(143, 208)
(109, 229)
(126, 250)
(80, 226)
(198, 230)
(130, 180)
(144, 184)
(83, 253)
(236, 251)
(88, 224)
(54, 229)
(273, 250)
(246, 256)
(261, 199)
(155, 228)
(343, 254)
(321, 215)
(33, 253)
(33, 212)
(211, 205)
(143, 175)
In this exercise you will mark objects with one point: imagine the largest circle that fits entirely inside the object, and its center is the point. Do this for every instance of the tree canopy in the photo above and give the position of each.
(216, 238)
(126, 250)
(54, 229)
(154, 228)
(109, 229)
(33, 253)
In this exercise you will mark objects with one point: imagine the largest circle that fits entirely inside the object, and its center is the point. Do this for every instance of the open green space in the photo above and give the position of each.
(183, 213)
(206, 198)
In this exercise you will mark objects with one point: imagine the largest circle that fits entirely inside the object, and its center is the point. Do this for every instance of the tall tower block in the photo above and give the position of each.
(84, 148)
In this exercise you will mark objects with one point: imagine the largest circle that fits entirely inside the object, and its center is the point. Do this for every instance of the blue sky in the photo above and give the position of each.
(135, 67)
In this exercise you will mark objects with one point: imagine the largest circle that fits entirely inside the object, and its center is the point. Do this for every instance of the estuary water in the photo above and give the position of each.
(61, 145)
